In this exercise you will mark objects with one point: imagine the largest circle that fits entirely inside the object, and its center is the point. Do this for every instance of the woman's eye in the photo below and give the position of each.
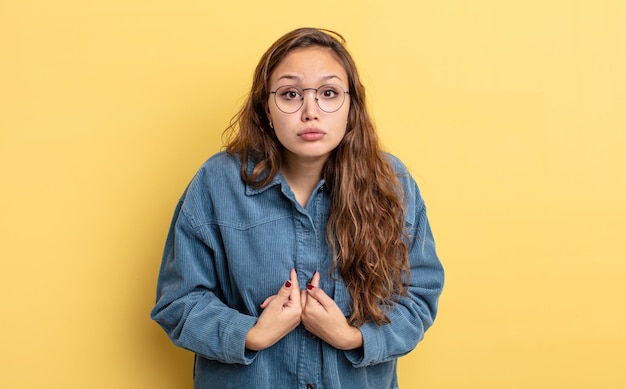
(329, 93)
(290, 94)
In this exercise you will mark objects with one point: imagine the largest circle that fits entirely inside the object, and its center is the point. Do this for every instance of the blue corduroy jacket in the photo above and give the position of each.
(230, 246)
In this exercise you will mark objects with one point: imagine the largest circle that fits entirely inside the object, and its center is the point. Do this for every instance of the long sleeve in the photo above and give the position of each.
(230, 246)
(189, 306)
(415, 312)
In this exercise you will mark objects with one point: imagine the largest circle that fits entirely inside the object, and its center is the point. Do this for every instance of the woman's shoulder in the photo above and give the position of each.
(216, 178)
(397, 164)
(221, 160)
(409, 185)
(219, 166)
(221, 169)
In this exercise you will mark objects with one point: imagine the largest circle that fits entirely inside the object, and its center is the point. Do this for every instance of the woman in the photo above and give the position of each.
(301, 256)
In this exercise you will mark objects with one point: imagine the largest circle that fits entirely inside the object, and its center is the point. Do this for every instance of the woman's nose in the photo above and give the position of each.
(310, 109)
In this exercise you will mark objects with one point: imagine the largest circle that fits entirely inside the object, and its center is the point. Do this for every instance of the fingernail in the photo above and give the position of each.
(288, 284)
(310, 287)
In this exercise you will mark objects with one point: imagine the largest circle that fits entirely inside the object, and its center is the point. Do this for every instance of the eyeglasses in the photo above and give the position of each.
(289, 98)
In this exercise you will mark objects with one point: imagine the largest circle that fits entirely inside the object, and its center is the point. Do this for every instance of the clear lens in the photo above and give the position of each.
(288, 98)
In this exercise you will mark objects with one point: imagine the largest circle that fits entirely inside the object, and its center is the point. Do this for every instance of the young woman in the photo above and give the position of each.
(301, 256)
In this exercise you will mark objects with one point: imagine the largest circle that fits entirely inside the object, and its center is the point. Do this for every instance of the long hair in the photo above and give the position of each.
(366, 223)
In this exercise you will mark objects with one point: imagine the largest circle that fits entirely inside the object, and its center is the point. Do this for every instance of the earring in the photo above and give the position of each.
(271, 124)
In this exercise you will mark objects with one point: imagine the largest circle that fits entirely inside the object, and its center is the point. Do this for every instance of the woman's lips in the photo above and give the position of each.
(311, 134)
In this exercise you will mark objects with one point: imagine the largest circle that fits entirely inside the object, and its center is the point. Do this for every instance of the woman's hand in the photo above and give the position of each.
(280, 316)
(322, 317)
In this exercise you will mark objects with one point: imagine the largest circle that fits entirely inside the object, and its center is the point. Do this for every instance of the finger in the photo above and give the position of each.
(295, 287)
(318, 295)
(284, 293)
(293, 277)
(267, 301)
(315, 280)
(303, 296)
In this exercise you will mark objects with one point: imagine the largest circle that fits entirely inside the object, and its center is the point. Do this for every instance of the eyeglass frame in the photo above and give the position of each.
(317, 100)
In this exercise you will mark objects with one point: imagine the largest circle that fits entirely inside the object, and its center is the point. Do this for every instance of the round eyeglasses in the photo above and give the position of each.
(289, 98)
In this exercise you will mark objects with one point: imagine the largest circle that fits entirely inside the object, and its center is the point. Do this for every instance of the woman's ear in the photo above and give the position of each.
(269, 116)
(267, 112)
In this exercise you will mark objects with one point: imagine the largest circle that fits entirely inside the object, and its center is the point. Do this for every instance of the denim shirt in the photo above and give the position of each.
(230, 246)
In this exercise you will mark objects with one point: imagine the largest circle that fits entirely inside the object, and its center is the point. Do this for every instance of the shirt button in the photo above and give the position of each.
(310, 386)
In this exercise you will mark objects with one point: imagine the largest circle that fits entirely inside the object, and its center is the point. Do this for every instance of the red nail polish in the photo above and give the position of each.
(310, 287)
(288, 284)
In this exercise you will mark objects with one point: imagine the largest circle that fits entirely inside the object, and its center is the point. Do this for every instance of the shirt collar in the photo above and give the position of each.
(253, 191)
(276, 181)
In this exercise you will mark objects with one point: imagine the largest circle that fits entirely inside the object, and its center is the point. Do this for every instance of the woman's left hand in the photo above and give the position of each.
(322, 317)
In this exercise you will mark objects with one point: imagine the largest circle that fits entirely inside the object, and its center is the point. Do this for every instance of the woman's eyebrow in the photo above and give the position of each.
(329, 77)
(295, 77)
(288, 77)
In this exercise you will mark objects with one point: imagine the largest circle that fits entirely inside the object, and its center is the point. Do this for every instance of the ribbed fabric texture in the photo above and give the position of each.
(231, 246)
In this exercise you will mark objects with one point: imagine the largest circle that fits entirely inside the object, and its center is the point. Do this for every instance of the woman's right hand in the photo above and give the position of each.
(280, 316)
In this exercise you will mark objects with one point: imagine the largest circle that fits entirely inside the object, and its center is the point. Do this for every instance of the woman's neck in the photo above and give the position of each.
(302, 176)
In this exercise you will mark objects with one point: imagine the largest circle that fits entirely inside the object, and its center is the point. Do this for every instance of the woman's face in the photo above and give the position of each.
(309, 134)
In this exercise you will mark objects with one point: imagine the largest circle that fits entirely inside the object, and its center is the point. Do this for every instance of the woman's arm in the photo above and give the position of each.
(415, 312)
(189, 307)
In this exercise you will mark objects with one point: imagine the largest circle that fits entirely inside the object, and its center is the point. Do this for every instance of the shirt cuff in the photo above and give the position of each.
(234, 340)
(369, 353)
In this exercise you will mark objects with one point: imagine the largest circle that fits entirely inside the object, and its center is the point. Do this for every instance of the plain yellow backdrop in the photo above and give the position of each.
(510, 115)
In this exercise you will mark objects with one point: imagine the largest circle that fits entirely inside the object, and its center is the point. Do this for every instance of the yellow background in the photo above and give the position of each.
(510, 114)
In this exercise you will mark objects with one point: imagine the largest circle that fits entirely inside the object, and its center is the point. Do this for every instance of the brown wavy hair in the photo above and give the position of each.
(366, 223)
